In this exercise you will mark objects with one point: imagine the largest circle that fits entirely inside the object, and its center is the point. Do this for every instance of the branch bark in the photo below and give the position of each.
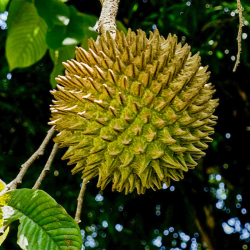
(107, 17)
(80, 201)
(18, 180)
(241, 24)
(47, 167)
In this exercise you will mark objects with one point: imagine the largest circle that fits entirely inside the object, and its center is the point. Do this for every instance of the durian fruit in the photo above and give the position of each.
(136, 112)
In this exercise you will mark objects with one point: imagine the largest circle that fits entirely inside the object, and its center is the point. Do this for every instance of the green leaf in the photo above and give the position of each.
(53, 12)
(2, 185)
(2, 237)
(87, 24)
(80, 26)
(89, 32)
(66, 25)
(58, 56)
(43, 223)
(183, 29)
(135, 7)
(55, 36)
(57, 16)
(121, 27)
(3, 5)
(25, 43)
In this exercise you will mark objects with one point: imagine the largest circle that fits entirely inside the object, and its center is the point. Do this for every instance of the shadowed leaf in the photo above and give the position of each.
(43, 223)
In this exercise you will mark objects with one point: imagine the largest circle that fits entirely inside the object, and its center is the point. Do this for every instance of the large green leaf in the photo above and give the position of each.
(3, 5)
(66, 25)
(57, 16)
(88, 29)
(58, 56)
(26, 35)
(2, 237)
(55, 36)
(43, 223)
(53, 12)
(80, 26)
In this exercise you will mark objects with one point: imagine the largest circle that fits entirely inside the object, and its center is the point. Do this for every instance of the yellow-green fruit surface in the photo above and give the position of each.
(133, 111)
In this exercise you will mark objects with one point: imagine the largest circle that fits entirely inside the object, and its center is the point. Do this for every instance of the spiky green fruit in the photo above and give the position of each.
(134, 111)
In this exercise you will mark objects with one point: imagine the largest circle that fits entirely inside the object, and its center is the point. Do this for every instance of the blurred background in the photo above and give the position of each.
(209, 209)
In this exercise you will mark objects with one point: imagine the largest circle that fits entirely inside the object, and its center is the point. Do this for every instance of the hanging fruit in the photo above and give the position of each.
(133, 111)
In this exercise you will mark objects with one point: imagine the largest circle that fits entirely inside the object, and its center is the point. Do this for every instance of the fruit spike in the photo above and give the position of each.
(136, 112)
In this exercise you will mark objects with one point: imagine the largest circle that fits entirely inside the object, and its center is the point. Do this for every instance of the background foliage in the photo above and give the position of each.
(212, 203)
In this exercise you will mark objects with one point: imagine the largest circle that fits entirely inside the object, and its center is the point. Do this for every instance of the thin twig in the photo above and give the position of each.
(35, 156)
(241, 24)
(47, 167)
(18, 180)
(107, 17)
(204, 235)
(80, 201)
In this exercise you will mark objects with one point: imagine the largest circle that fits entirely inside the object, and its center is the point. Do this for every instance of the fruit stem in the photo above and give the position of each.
(107, 17)
(80, 201)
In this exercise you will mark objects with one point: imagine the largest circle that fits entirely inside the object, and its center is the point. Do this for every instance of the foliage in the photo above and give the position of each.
(2, 237)
(3, 5)
(34, 26)
(25, 44)
(216, 192)
(43, 223)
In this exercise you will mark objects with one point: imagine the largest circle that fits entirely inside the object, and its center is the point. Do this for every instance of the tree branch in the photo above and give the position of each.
(18, 180)
(80, 201)
(107, 17)
(47, 167)
(204, 235)
(241, 24)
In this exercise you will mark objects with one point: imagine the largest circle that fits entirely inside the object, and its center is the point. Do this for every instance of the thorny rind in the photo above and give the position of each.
(134, 111)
